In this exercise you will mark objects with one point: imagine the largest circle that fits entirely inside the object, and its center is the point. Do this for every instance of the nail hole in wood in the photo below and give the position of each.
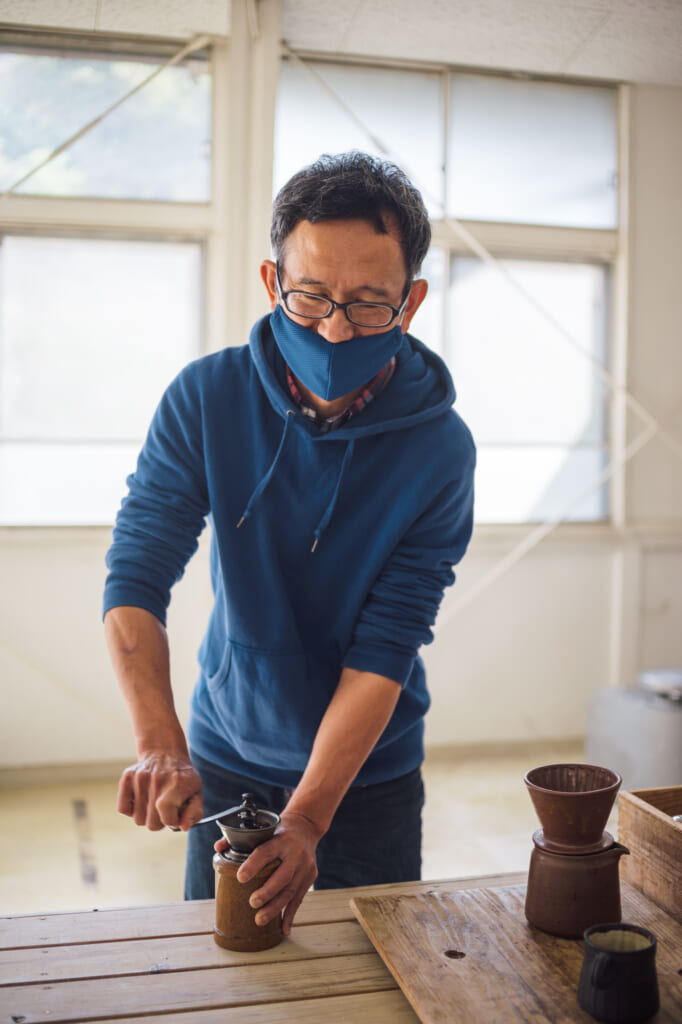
(454, 954)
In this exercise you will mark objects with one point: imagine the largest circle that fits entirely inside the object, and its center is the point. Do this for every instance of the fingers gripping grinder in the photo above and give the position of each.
(245, 827)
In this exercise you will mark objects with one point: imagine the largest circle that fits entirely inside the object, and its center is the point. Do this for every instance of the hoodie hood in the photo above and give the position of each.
(421, 389)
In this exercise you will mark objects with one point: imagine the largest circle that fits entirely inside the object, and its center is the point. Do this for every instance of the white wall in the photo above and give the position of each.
(586, 608)
(60, 700)
(521, 660)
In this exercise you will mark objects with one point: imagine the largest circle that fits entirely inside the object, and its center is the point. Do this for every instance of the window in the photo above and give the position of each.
(531, 152)
(309, 121)
(539, 444)
(154, 146)
(529, 168)
(92, 331)
(100, 298)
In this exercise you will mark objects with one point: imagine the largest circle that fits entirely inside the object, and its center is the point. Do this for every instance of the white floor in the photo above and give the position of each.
(64, 847)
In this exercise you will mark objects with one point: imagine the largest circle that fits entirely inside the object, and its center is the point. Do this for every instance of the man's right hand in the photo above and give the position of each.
(161, 790)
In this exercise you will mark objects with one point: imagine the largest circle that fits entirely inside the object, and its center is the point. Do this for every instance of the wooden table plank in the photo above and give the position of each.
(368, 1008)
(334, 904)
(471, 956)
(77, 1001)
(196, 916)
(119, 924)
(48, 964)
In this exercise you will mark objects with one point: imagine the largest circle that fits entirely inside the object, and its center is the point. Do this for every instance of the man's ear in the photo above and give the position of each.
(268, 273)
(417, 295)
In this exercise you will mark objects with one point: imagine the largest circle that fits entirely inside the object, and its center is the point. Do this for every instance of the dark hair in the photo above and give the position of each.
(350, 185)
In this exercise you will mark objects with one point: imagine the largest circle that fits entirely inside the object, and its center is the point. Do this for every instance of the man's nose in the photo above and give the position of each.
(336, 327)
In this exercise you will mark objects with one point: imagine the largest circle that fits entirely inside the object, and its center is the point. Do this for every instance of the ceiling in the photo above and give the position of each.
(629, 40)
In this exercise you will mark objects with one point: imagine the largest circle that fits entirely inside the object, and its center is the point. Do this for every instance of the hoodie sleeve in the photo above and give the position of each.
(400, 610)
(161, 518)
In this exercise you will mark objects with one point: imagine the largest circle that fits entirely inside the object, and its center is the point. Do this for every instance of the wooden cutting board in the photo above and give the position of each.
(472, 957)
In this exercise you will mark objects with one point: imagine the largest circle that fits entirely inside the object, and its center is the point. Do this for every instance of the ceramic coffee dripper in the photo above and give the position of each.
(573, 803)
(573, 876)
(245, 827)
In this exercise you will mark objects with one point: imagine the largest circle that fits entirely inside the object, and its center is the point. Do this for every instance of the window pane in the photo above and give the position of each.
(156, 145)
(520, 380)
(518, 485)
(91, 332)
(402, 109)
(63, 484)
(533, 152)
(537, 406)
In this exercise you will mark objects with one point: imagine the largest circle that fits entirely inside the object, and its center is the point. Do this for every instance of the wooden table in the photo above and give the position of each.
(149, 964)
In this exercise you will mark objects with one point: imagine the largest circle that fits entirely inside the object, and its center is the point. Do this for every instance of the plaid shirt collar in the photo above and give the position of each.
(368, 393)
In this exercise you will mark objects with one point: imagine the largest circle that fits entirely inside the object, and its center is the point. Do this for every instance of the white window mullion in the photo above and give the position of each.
(245, 88)
(217, 292)
(620, 319)
(96, 216)
(530, 240)
(264, 78)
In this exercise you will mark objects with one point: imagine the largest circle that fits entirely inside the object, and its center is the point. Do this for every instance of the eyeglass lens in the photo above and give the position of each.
(314, 307)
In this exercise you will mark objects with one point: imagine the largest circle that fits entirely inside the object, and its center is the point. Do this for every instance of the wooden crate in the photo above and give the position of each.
(646, 827)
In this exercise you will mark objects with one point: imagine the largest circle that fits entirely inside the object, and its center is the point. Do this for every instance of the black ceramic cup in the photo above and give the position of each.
(618, 981)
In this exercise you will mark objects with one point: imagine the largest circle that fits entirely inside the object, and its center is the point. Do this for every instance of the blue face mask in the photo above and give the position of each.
(332, 369)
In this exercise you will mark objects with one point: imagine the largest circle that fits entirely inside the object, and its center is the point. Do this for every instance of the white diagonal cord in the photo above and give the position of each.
(198, 43)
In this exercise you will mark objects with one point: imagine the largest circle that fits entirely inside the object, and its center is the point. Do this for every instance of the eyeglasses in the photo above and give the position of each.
(318, 307)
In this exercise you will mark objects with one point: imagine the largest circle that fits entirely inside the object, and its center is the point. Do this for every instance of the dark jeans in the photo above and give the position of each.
(375, 836)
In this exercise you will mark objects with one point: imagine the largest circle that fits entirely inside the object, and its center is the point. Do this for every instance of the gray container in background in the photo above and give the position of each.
(638, 731)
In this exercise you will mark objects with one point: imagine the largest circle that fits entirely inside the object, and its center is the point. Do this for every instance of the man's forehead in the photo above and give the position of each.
(313, 247)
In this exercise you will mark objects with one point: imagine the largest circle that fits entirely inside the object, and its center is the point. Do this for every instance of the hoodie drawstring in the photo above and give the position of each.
(324, 521)
(268, 476)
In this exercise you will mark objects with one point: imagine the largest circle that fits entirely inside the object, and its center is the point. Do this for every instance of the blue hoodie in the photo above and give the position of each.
(386, 503)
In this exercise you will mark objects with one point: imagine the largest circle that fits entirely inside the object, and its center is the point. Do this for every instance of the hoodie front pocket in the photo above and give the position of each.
(215, 681)
(269, 704)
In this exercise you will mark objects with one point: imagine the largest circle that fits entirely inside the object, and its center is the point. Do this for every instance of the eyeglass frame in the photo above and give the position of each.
(396, 311)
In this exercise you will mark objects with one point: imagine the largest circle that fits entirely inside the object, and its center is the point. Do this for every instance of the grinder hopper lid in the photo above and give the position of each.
(247, 826)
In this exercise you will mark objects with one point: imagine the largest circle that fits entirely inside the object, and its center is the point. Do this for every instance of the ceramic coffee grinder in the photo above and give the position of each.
(573, 877)
(245, 827)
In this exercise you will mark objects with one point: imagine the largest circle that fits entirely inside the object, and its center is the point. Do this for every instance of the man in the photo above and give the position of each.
(338, 482)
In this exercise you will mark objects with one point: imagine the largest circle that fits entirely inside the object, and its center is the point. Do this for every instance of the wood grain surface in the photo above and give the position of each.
(195, 917)
(223, 987)
(368, 1008)
(646, 827)
(166, 954)
(160, 963)
(473, 957)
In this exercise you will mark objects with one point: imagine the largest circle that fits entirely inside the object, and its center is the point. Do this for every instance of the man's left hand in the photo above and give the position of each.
(294, 843)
